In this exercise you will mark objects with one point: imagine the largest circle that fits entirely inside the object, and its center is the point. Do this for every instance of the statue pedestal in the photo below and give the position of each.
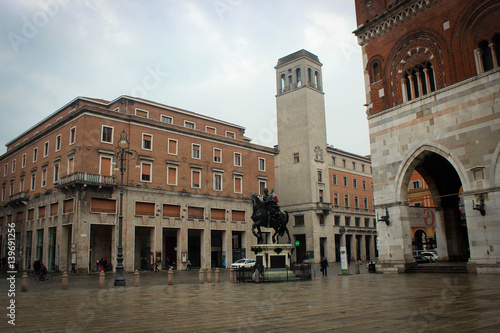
(273, 255)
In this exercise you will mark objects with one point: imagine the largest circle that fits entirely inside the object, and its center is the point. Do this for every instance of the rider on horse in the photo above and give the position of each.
(271, 206)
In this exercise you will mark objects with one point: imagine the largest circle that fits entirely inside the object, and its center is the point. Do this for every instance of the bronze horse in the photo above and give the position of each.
(278, 221)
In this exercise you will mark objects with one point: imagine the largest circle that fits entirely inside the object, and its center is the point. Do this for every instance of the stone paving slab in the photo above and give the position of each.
(355, 303)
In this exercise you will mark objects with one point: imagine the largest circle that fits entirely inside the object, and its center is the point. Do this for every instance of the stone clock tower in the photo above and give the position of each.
(301, 169)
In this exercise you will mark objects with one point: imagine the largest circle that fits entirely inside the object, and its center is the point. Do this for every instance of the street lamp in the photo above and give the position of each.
(121, 151)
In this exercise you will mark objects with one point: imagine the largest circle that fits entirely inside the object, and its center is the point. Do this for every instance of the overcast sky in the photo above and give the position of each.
(213, 57)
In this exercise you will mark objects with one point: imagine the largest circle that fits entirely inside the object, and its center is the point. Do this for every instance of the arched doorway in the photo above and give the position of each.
(420, 240)
(445, 186)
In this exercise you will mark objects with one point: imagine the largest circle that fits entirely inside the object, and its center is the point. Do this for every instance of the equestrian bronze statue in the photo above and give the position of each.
(266, 213)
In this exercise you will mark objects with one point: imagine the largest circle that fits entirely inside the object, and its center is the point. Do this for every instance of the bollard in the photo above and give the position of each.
(209, 275)
(357, 267)
(232, 275)
(136, 279)
(64, 280)
(257, 276)
(24, 282)
(170, 276)
(101, 280)
(201, 276)
(217, 275)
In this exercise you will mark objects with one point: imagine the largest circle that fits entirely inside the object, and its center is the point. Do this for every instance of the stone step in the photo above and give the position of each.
(438, 269)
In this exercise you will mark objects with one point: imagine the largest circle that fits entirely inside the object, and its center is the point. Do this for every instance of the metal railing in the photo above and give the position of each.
(296, 272)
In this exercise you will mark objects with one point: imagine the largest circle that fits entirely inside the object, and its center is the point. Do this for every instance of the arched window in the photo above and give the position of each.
(486, 56)
(375, 72)
(283, 83)
(316, 79)
(496, 49)
(299, 77)
(309, 75)
(418, 81)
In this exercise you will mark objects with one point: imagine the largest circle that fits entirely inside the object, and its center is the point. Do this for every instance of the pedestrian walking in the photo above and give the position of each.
(324, 265)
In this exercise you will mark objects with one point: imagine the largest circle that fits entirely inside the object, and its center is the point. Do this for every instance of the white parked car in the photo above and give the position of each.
(430, 255)
(245, 263)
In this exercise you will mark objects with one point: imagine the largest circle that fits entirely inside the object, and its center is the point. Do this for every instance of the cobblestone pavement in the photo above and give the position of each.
(354, 303)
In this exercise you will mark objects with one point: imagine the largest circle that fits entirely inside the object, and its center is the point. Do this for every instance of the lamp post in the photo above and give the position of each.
(121, 152)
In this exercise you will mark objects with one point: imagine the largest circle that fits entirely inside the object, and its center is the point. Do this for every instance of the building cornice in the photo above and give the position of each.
(390, 19)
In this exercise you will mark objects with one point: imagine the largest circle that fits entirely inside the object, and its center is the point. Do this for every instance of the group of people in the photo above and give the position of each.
(101, 264)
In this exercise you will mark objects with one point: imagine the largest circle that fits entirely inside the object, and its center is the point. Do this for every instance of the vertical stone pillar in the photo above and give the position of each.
(206, 249)
(232, 276)
(229, 252)
(24, 282)
(217, 275)
(419, 83)
(101, 279)
(201, 276)
(494, 55)
(64, 281)
(182, 245)
(209, 275)
(427, 80)
(170, 277)
(404, 89)
(412, 87)
(136, 278)
(478, 57)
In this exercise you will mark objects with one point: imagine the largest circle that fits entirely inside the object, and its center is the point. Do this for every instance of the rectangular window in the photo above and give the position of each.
(364, 185)
(147, 141)
(346, 201)
(356, 202)
(354, 165)
(231, 135)
(238, 215)
(23, 161)
(172, 147)
(334, 179)
(217, 155)
(299, 220)
(217, 214)
(320, 195)
(355, 183)
(362, 167)
(344, 162)
(333, 160)
(217, 181)
(337, 219)
(21, 185)
(367, 222)
(189, 124)
(210, 129)
(107, 134)
(72, 135)
(347, 220)
(11, 192)
(44, 177)
(262, 186)
(172, 175)
(146, 172)
(5, 170)
(71, 165)
(171, 210)
(3, 193)
(68, 206)
(142, 113)
(345, 181)
(296, 158)
(262, 164)
(105, 167)
(58, 142)
(56, 173)
(145, 208)
(195, 178)
(365, 202)
(166, 119)
(46, 149)
(195, 212)
(320, 176)
(357, 221)
(237, 159)
(238, 184)
(336, 199)
(31, 214)
(99, 205)
(33, 181)
(35, 154)
(13, 166)
(41, 212)
(54, 209)
(196, 151)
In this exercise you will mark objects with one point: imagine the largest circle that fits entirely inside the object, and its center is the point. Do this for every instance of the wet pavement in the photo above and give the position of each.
(354, 303)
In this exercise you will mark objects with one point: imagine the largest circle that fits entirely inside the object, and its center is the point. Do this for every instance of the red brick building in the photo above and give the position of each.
(187, 187)
(432, 82)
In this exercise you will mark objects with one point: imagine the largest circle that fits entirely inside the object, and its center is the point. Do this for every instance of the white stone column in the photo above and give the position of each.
(419, 83)
(493, 55)
(478, 57)
(412, 87)
(427, 80)
(206, 248)
(404, 89)
(182, 245)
